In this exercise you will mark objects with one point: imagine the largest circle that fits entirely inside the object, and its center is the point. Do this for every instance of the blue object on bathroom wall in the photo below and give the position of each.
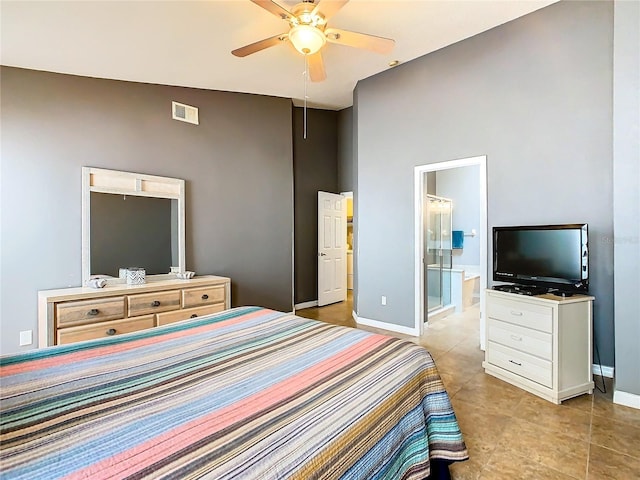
(457, 239)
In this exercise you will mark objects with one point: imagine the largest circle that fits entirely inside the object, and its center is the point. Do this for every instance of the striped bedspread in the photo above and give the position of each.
(248, 393)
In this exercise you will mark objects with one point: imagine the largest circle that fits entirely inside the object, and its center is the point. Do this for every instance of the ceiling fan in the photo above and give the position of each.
(308, 33)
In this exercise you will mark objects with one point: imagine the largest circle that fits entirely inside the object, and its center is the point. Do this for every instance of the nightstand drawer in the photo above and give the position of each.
(195, 297)
(521, 363)
(179, 315)
(104, 329)
(89, 311)
(519, 338)
(146, 303)
(521, 313)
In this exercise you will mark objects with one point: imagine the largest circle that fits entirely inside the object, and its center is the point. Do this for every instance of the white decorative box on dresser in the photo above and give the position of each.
(542, 344)
(71, 315)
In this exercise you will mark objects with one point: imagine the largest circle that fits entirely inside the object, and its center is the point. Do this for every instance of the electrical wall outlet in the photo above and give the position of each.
(383, 300)
(26, 337)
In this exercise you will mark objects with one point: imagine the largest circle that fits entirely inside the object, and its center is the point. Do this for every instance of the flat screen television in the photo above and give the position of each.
(550, 257)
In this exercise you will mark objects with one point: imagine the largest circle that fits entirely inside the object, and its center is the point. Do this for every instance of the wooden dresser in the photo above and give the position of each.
(71, 315)
(541, 344)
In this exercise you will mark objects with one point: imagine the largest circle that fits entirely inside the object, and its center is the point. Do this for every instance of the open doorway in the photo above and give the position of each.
(349, 199)
(442, 264)
(339, 233)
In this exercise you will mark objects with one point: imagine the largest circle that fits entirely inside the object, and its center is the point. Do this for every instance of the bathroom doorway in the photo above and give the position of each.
(474, 234)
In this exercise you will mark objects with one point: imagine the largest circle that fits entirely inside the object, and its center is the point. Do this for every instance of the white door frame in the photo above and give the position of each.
(420, 190)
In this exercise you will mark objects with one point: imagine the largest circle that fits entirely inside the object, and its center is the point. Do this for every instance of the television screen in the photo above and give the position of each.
(552, 256)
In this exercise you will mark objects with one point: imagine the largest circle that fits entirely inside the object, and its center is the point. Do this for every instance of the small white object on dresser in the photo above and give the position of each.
(542, 344)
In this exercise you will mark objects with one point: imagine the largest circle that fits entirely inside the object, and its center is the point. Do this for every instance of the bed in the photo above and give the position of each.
(249, 393)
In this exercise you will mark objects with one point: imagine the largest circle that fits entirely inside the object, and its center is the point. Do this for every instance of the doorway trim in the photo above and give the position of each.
(420, 190)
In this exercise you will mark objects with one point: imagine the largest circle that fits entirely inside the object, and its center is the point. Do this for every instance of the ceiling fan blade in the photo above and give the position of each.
(316, 67)
(261, 45)
(274, 8)
(328, 8)
(360, 40)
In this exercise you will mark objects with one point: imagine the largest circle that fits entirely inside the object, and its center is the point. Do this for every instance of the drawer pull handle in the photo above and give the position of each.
(205, 296)
(194, 315)
(155, 303)
(515, 363)
(517, 338)
(111, 331)
(93, 311)
(517, 314)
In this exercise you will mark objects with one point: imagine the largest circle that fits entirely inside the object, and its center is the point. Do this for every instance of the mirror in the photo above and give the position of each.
(131, 220)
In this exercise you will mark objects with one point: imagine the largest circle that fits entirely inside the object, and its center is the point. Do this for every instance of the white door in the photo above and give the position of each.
(332, 249)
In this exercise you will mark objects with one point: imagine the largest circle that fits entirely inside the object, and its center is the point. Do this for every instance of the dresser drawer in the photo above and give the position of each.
(145, 303)
(527, 315)
(519, 338)
(179, 315)
(195, 297)
(104, 329)
(89, 311)
(521, 363)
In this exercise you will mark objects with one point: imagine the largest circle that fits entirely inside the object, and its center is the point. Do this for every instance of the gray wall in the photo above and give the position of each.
(346, 177)
(534, 95)
(356, 233)
(626, 193)
(237, 165)
(462, 185)
(315, 168)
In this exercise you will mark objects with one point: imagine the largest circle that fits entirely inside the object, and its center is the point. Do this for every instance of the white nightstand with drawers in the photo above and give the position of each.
(542, 344)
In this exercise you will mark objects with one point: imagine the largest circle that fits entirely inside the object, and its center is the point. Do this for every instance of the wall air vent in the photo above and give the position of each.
(184, 113)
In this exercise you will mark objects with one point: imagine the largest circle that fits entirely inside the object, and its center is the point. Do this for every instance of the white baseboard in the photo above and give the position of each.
(627, 399)
(386, 326)
(303, 305)
(606, 371)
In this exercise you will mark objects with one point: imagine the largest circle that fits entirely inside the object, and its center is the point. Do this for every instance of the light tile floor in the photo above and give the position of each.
(512, 434)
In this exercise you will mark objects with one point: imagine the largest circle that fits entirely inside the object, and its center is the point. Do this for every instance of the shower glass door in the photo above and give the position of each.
(437, 251)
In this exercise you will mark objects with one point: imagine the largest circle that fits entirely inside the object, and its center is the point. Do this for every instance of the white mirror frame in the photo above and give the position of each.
(127, 183)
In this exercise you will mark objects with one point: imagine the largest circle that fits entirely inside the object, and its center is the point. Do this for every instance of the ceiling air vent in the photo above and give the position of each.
(184, 113)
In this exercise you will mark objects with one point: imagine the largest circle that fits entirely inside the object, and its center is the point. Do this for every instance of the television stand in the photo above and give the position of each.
(542, 344)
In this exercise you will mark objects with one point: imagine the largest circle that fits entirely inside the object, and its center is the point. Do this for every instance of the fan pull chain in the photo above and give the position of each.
(306, 76)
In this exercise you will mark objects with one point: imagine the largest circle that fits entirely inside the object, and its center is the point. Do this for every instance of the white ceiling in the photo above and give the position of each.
(189, 43)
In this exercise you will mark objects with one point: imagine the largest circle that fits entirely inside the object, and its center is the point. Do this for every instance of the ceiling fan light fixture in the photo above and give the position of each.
(307, 39)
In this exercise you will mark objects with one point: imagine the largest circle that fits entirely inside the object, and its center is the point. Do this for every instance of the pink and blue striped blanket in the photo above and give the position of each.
(248, 393)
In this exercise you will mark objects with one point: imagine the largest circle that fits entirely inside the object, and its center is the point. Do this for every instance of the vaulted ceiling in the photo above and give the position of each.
(189, 43)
